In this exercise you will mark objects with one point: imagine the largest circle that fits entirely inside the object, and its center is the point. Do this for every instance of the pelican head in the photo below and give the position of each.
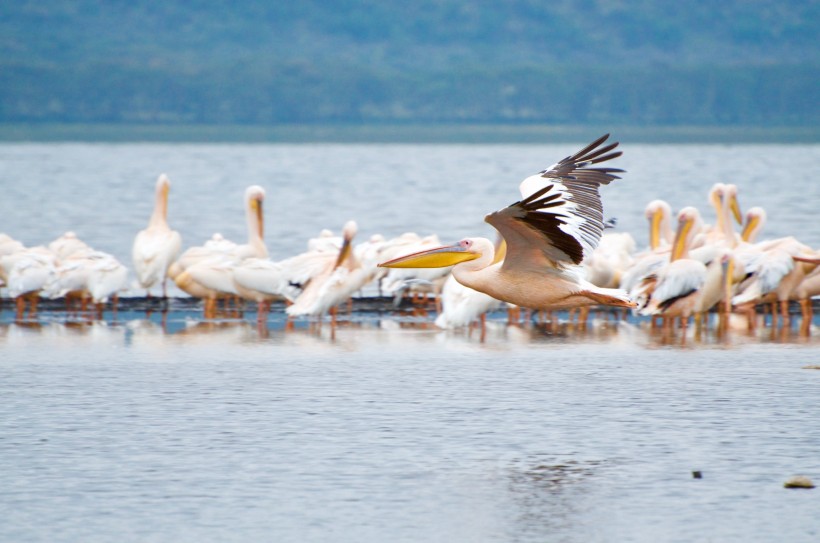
(755, 219)
(254, 196)
(163, 184)
(730, 200)
(349, 231)
(441, 257)
(689, 223)
(659, 214)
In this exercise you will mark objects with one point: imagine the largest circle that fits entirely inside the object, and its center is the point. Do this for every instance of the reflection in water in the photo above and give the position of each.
(549, 494)
(383, 327)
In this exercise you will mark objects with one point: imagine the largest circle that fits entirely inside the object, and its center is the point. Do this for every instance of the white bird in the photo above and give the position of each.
(679, 286)
(610, 260)
(461, 306)
(808, 288)
(88, 275)
(67, 245)
(336, 284)
(548, 233)
(25, 272)
(723, 198)
(647, 263)
(210, 275)
(156, 247)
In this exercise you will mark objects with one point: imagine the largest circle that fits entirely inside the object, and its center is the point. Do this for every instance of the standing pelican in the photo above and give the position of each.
(156, 247)
(210, 275)
(335, 285)
(548, 233)
(26, 272)
(679, 286)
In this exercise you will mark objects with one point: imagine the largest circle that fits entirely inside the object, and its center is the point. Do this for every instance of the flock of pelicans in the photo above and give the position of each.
(552, 253)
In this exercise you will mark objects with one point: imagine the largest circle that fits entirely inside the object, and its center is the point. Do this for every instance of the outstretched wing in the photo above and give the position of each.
(559, 219)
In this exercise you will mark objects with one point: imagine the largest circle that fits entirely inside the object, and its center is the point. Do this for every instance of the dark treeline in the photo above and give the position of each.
(320, 61)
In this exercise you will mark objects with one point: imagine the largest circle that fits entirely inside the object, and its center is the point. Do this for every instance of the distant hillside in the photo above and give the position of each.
(737, 62)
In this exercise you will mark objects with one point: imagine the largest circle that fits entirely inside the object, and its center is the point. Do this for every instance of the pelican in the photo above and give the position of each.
(659, 215)
(557, 223)
(263, 281)
(8, 245)
(156, 247)
(611, 258)
(210, 273)
(26, 272)
(804, 292)
(755, 220)
(634, 279)
(461, 306)
(679, 286)
(68, 244)
(774, 272)
(335, 284)
(723, 198)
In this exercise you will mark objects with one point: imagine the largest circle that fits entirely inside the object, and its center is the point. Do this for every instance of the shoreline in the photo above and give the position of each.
(399, 133)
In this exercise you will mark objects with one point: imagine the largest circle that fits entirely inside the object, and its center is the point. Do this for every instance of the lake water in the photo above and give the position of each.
(386, 429)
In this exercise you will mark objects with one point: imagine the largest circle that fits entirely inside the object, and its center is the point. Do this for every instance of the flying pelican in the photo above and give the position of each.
(156, 247)
(548, 233)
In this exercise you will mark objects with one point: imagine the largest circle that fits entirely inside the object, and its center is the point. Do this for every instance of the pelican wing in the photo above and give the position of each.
(559, 219)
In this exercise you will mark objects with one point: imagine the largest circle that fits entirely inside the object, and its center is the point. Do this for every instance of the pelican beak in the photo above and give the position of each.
(735, 207)
(440, 257)
(260, 216)
(728, 265)
(749, 228)
(655, 229)
(679, 245)
(344, 252)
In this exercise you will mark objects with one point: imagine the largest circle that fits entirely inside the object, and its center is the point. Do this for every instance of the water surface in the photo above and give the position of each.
(387, 429)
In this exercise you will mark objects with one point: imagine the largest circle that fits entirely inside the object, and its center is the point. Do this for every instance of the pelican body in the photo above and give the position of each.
(548, 233)
(156, 247)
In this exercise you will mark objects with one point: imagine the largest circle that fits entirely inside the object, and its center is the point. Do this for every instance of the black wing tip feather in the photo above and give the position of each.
(572, 166)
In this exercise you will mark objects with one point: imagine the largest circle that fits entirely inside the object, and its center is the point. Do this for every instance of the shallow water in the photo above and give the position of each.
(141, 428)
(387, 429)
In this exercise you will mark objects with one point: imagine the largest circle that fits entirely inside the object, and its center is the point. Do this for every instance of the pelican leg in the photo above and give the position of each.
(33, 305)
(210, 308)
(807, 315)
(784, 312)
(20, 302)
(806, 310)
